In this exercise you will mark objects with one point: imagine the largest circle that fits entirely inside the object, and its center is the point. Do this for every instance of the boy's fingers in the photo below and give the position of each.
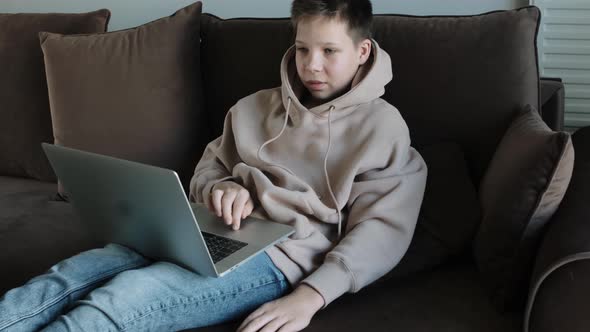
(239, 204)
(209, 203)
(288, 327)
(254, 321)
(274, 325)
(216, 201)
(227, 202)
(236, 223)
(248, 208)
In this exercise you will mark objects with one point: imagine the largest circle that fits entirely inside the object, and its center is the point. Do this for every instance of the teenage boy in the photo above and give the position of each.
(322, 142)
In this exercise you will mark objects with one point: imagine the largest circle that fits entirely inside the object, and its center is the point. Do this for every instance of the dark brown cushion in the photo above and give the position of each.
(522, 188)
(25, 120)
(133, 94)
(455, 78)
(449, 215)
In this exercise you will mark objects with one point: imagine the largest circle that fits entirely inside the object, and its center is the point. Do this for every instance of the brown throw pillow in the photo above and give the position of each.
(133, 94)
(25, 121)
(522, 188)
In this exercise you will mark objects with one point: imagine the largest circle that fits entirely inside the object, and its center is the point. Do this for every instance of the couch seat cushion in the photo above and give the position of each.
(9, 185)
(36, 230)
(448, 299)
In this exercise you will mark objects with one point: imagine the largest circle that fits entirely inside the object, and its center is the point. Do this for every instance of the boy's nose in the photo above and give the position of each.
(314, 63)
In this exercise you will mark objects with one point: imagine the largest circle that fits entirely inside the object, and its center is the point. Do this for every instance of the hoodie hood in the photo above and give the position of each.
(367, 85)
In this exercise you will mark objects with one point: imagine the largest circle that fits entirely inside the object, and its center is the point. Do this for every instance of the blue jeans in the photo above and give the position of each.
(115, 289)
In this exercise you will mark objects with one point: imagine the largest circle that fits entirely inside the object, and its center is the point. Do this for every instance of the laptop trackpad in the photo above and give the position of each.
(253, 231)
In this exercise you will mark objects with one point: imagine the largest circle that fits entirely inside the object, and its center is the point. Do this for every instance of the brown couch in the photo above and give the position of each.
(458, 82)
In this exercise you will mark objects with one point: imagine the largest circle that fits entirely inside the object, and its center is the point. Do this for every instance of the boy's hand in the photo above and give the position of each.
(232, 202)
(288, 314)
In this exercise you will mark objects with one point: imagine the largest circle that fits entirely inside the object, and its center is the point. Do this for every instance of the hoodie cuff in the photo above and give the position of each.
(331, 280)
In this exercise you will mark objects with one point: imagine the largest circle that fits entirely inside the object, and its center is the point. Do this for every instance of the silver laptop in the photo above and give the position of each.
(145, 208)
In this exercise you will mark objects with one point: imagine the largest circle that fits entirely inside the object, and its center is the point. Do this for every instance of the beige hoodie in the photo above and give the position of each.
(299, 164)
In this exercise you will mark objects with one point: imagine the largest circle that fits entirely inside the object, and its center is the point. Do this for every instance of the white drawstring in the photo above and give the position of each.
(279, 134)
(325, 158)
(326, 172)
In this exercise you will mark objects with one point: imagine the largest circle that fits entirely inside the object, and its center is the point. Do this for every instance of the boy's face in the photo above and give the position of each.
(327, 58)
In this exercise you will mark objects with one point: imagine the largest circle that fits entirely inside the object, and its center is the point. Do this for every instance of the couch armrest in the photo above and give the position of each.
(560, 284)
(552, 102)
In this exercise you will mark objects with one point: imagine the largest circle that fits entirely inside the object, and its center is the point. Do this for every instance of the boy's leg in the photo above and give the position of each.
(43, 298)
(166, 297)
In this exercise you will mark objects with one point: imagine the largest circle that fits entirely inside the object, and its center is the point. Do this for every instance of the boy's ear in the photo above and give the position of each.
(365, 50)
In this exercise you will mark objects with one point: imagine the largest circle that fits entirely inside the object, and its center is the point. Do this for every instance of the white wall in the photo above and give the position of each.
(130, 13)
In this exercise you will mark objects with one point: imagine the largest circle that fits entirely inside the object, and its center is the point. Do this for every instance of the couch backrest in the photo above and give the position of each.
(238, 58)
(456, 78)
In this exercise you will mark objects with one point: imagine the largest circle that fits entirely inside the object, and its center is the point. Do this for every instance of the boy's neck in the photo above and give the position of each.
(309, 101)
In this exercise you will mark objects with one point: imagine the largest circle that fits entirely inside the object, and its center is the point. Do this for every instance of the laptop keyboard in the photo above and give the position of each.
(221, 247)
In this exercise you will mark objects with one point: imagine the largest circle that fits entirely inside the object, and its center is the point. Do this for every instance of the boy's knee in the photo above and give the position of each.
(159, 275)
(99, 263)
(120, 253)
(119, 249)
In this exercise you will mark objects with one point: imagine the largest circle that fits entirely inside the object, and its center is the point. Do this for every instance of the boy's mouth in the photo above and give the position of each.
(315, 85)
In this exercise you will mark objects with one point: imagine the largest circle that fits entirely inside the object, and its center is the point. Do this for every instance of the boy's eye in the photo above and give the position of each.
(329, 51)
(301, 49)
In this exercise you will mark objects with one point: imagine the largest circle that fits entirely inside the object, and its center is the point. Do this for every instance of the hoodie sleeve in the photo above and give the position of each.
(383, 210)
(216, 164)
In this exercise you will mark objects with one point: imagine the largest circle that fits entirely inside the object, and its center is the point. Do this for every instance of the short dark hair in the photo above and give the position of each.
(358, 14)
